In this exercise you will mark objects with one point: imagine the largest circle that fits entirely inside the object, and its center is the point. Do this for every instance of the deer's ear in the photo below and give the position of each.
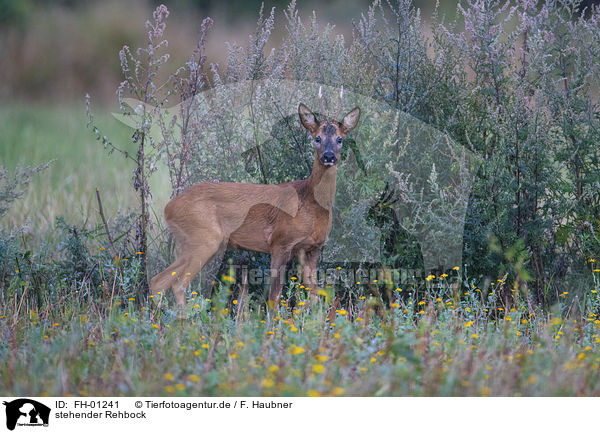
(350, 120)
(307, 118)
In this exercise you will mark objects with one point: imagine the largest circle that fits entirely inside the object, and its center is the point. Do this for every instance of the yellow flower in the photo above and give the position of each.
(469, 324)
(293, 278)
(173, 273)
(169, 376)
(169, 389)
(228, 279)
(341, 312)
(337, 391)
(322, 358)
(293, 328)
(336, 335)
(296, 350)
(267, 383)
(395, 305)
(362, 298)
(373, 359)
(430, 277)
(273, 368)
(235, 302)
(155, 326)
(456, 268)
(193, 378)
(322, 292)
(474, 336)
(180, 387)
(318, 368)
(102, 249)
(313, 393)
(205, 346)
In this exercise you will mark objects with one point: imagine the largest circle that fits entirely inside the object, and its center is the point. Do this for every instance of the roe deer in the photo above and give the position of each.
(285, 220)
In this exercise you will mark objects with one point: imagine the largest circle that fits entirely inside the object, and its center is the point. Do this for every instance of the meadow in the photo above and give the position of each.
(431, 341)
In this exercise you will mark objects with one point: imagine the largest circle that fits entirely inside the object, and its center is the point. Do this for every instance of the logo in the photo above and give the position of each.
(26, 412)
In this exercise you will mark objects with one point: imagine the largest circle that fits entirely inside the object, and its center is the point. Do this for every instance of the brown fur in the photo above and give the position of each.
(287, 220)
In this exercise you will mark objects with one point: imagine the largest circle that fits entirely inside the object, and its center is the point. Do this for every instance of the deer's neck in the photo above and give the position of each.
(321, 184)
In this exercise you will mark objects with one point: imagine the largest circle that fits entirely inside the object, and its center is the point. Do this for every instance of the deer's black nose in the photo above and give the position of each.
(328, 158)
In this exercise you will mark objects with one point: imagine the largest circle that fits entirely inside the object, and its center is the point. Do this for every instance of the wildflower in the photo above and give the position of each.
(197, 352)
(173, 273)
(341, 312)
(339, 268)
(337, 391)
(429, 277)
(193, 378)
(169, 389)
(592, 261)
(169, 377)
(180, 387)
(362, 298)
(131, 299)
(373, 359)
(155, 326)
(196, 306)
(318, 368)
(293, 328)
(235, 302)
(395, 305)
(293, 278)
(205, 346)
(322, 292)
(322, 358)
(336, 335)
(474, 336)
(421, 303)
(421, 312)
(296, 350)
(267, 383)
(228, 279)
(313, 393)
(469, 324)
(301, 303)
(398, 289)
(102, 249)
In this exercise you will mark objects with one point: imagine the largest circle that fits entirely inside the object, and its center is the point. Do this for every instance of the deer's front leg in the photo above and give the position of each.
(279, 260)
(309, 268)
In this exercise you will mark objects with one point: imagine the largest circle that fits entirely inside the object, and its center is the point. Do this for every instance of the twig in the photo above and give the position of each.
(110, 240)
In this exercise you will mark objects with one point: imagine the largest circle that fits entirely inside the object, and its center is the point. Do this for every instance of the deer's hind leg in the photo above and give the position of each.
(195, 250)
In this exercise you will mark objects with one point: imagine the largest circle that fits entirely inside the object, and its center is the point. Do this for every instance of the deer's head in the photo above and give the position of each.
(328, 135)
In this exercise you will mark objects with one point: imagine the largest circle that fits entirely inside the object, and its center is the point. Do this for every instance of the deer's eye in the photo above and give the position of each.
(318, 139)
(339, 140)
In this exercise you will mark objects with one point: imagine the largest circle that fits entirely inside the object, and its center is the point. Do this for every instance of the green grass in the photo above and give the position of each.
(36, 134)
(436, 344)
